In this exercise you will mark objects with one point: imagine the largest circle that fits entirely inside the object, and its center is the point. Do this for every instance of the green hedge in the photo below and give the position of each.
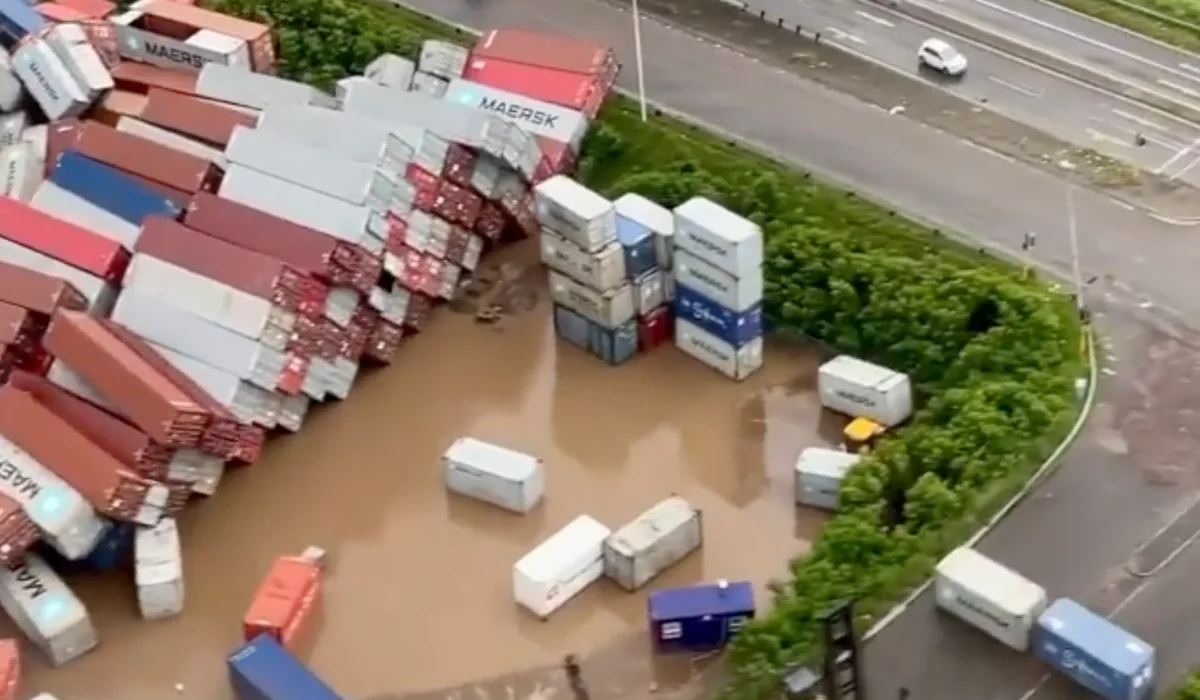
(1172, 21)
(1190, 690)
(994, 356)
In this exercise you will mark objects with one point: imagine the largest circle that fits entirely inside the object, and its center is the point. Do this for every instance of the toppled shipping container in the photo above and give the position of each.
(560, 567)
(17, 534)
(65, 519)
(170, 139)
(37, 291)
(67, 242)
(70, 207)
(98, 293)
(503, 477)
(284, 602)
(653, 542)
(255, 90)
(48, 81)
(46, 610)
(265, 670)
(193, 117)
(146, 159)
(110, 189)
(158, 570)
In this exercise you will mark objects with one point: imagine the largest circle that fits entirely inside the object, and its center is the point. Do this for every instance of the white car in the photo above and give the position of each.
(942, 57)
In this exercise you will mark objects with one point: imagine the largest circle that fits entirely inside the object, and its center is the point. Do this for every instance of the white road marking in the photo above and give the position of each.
(1101, 136)
(1175, 158)
(1186, 168)
(839, 34)
(1124, 205)
(1176, 86)
(872, 18)
(1013, 86)
(1167, 140)
(1139, 120)
(1190, 68)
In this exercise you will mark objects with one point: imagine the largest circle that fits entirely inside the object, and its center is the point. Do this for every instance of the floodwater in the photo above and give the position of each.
(418, 592)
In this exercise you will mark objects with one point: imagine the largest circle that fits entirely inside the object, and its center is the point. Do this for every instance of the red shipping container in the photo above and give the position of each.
(464, 247)
(20, 328)
(458, 205)
(140, 77)
(460, 164)
(415, 271)
(581, 92)
(551, 50)
(418, 311)
(254, 273)
(182, 172)
(106, 483)
(655, 328)
(17, 535)
(92, 9)
(58, 13)
(190, 116)
(136, 389)
(65, 242)
(383, 342)
(10, 669)
(38, 291)
(284, 601)
(491, 221)
(425, 186)
(557, 159)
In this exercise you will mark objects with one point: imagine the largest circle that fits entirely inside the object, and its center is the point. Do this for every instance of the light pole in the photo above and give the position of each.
(637, 58)
(1073, 234)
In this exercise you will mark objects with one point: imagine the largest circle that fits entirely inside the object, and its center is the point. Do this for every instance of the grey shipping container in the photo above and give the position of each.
(572, 327)
(653, 542)
(391, 71)
(575, 213)
(354, 136)
(11, 89)
(820, 472)
(81, 60)
(48, 81)
(511, 480)
(21, 171)
(239, 86)
(426, 84)
(443, 59)
(613, 345)
(534, 116)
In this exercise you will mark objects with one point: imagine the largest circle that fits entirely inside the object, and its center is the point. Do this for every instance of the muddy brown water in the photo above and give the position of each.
(418, 591)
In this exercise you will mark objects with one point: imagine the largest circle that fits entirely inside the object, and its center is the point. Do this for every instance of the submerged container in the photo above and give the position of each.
(860, 389)
(737, 363)
(1094, 652)
(608, 309)
(505, 478)
(158, 570)
(613, 345)
(560, 568)
(572, 327)
(733, 327)
(653, 542)
(819, 475)
(46, 610)
(989, 596)
(264, 670)
(703, 617)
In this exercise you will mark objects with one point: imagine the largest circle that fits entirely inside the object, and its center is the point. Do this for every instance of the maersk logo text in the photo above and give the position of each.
(514, 112)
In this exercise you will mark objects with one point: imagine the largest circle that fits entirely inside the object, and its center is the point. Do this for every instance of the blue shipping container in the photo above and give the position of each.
(700, 617)
(638, 243)
(18, 19)
(110, 189)
(733, 327)
(1094, 652)
(264, 670)
(572, 327)
(616, 345)
(112, 551)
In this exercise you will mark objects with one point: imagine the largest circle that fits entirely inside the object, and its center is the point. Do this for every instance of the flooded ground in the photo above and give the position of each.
(418, 595)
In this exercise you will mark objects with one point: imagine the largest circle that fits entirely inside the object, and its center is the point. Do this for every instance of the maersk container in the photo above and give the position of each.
(110, 189)
(860, 389)
(18, 20)
(80, 59)
(21, 170)
(572, 327)
(575, 213)
(263, 669)
(1094, 652)
(737, 363)
(506, 478)
(100, 294)
(158, 570)
(560, 568)
(12, 127)
(734, 293)
(652, 542)
(70, 207)
(735, 328)
(989, 596)
(539, 118)
(48, 81)
(238, 86)
(67, 521)
(443, 59)
(713, 233)
(601, 270)
(608, 309)
(820, 472)
(46, 610)
(702, 617)
(649, 291)
(613, 345)
(391, 71)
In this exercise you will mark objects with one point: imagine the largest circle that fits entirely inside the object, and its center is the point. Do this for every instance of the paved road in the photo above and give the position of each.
(1120, 484)
(1073, 111)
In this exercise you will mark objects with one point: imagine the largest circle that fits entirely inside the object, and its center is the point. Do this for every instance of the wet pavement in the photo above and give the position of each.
(419, 590)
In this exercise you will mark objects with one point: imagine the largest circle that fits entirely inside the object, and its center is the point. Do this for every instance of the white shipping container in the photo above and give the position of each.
(536, 117)
(158, 570)
(256, 90)
(248, 403)
(66, 519)
(391, 71)
(560, 568)
(11, 127)
(443, 59)
(46, 610)
(649, 292)
(429, 84)
(70, 207)
(575, 212)
(860, 389)
(99, 294)
(172, 140)
(735, 363)
(653, 542)
(506, 478)
(710, 231)
(48, 81)
(80, 59)
(65, 378)
(989, 596)
(820, 472)
(38, 137)
(201, 470)
(733, 293)
(11, 90)
(609, 308)
(640, 214)
(355, 137)
(21, 170)
(348, 222)
(601, 270)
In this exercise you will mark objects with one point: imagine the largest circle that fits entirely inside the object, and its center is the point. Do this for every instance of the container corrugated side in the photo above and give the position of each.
(609, 309)
(498, 475)
(560, 567)
(736, 294)
(62, 240)
(48, 81)
(170, 139)
(241, 87)
(654, 541)
(110, 189)
(356, 137)
(99, 294)
(727, 240)
(575, 212)
(989, 596)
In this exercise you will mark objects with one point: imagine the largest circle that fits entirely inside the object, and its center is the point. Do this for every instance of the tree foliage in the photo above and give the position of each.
(993, 356)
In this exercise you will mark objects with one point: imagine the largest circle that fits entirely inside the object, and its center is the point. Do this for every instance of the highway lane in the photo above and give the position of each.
(1073, 111)
(1099, 505)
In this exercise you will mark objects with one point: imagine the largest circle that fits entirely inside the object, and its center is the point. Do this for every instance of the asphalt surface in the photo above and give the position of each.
(1069, 109)
(1134, 467)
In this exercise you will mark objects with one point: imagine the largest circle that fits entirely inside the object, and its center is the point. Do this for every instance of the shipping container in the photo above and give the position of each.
(353, 136)
(601, 270)
(566, 126)
(613, 345)
(716, 235)
(63, 377)
(63, 241)
(989, 596)
(557, 159)
(250, 404)
(110, 189)
(11, 127)
(108, 485)
(655, 328)
(819, 474)
(736, 294)
(737, 363)
(653, 542)
(255, 90)
(138, 156)
(1095, 652)
(110, 108)
(649, 292)
(98, 293)
(334, 217)
(11, 89)
(112, 552)
(18, 20)
(21, 170)
(193, 117)
(17, 533)
(182, 14)
(264, 670)
(46, 610)
(701, 617)
(155, 405)
(72, 45)
(572, 327)
(560, 568)
(506, 478)
(575, 213)
(48, 81)
(65, 519)
(391, 71)
(734, 328)
(427, 84)
(158, 570)
(143, 38)
(558, 51)
(10, 669)
(37, 291)
(442, 59)
(284, 602)
(67, 206)
(142, 77)
(608, 309)
(170, 139)
(860, 389)
(638, 218)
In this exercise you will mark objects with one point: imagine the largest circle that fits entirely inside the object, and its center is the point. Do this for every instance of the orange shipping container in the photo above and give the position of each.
(10, 669)
(285, 601)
